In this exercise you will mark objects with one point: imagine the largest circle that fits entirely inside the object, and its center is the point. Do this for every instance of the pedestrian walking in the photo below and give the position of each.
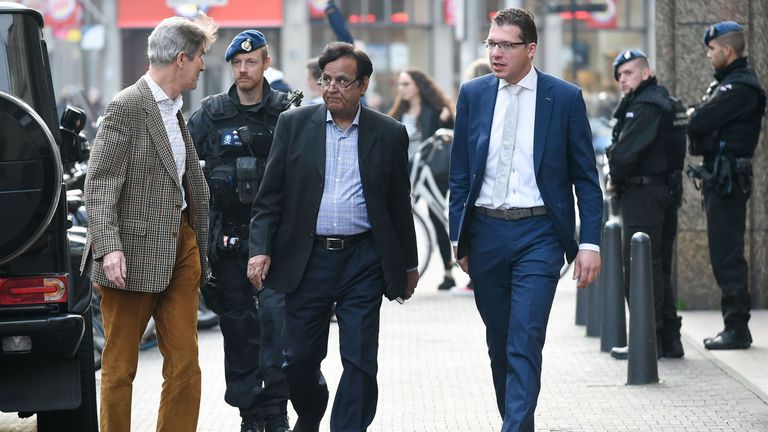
(423, 108)
(332, 223)
(147, 204)
(232, 132)
(645, 162)
(521, 145)
(724, 128)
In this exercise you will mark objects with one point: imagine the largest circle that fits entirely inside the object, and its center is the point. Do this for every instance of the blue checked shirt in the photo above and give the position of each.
(342, 208)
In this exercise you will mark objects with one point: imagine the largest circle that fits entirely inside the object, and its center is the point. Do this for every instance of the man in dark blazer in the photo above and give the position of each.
(147, 203)
(522, 143)
(332, 223)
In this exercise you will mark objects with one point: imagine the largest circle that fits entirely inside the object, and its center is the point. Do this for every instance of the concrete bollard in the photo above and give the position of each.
(581, 306)
(595, 291)
(642, 367)
(613, 329)
(593, 305)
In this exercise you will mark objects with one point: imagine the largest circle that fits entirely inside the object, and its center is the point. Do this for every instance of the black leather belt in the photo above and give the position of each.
(513, 213)
(338, 243)
(646, 180)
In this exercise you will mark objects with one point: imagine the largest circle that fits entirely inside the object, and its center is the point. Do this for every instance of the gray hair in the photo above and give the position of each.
(180, 35)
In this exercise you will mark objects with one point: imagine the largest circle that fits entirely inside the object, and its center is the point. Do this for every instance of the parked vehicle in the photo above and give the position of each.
(46, 354)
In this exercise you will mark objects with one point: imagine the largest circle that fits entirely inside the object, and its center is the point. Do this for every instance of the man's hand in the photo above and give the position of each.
(258, 267)
(586, 267)
(609, 187)
(114, 268)
(464, 262)
(413, 279)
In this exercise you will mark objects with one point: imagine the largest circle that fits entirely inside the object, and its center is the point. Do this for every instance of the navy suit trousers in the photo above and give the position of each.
(515, 267)
(353, 279)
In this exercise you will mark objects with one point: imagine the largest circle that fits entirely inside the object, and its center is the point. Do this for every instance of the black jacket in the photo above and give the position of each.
(286, 208)
(730, 115)
(647, 140)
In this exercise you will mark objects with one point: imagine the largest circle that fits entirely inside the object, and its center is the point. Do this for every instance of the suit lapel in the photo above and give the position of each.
(545, 98)
(365, 138)
(316, 138)
(157, 131)
(487, 102)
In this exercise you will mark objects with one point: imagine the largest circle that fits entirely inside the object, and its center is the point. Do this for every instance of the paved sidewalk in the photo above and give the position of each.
(434, 376)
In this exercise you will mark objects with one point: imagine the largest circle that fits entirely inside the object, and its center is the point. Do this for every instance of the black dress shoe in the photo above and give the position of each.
(729, 339)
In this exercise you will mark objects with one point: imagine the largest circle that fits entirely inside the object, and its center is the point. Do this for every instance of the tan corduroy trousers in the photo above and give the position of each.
(125, 315)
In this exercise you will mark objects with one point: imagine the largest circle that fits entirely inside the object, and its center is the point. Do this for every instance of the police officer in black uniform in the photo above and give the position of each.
(232, 132)
(724, 129)
(646, 160)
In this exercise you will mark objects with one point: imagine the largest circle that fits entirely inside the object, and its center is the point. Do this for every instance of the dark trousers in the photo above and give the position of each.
(726, 224)
(443, 242)
(646, 209)
(353, 279)
(253, 350)
(515, 266)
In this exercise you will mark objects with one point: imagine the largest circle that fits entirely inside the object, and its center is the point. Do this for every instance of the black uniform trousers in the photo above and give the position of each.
(353, 279)
(726, 224)
(253, 350)
(645, 209)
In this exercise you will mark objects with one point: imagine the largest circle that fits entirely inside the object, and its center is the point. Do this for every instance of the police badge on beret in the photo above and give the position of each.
(246, 45)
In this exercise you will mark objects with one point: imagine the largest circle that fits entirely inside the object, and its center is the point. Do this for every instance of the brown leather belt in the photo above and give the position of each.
(338, 243)
(512, 213)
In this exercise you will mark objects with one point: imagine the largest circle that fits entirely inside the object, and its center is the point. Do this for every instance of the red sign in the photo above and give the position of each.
(236, 14)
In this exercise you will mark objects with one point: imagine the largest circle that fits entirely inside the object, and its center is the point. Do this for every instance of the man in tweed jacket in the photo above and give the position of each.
(147, 203)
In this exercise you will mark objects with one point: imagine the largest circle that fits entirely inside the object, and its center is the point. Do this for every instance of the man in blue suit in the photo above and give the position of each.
(522, 143)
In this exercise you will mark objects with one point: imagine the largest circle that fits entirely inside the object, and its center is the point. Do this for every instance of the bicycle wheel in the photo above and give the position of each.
(424, 241)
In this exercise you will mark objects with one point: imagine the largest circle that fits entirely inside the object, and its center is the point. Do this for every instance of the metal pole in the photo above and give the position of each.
(642, 367)
(574, 40)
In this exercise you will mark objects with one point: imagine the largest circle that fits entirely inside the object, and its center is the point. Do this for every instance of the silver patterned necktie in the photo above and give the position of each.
(507, 154)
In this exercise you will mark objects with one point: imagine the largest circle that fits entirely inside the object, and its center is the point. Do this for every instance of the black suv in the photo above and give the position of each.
(46, 350)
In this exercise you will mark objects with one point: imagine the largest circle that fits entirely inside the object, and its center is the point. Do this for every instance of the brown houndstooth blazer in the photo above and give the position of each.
(133, 196)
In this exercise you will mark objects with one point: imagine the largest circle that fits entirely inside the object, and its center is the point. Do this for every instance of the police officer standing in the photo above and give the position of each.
(232, 132)
(645, 162)
(724, 129)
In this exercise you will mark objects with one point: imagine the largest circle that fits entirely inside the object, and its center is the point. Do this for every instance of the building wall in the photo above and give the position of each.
(682, 65)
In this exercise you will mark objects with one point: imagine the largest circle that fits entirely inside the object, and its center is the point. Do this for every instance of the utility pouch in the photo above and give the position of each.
(222, 182)
(744, 175)
(247, 179)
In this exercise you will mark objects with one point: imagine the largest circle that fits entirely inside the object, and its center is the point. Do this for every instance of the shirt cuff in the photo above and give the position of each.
(589, 246)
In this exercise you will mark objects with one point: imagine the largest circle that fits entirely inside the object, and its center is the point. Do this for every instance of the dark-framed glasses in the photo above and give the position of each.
(503, 46)
(341, 83)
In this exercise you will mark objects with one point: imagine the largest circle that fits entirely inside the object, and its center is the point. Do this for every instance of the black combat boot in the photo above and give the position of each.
(672, 346)
(276, 423)
(729, 339)
(251, 424)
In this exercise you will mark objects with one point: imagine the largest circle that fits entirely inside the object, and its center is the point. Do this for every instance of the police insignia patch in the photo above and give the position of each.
(246, 45)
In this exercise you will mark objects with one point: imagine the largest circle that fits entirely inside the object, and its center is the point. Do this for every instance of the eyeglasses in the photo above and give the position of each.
(503, 46)
(341, 83)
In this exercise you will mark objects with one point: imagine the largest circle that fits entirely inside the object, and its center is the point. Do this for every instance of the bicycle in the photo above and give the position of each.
(424, 190)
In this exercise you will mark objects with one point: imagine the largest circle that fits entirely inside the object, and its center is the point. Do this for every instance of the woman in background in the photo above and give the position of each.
(423, 108)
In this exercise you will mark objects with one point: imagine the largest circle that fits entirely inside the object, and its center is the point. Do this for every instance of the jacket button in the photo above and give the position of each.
(174, 235)
(178, 206)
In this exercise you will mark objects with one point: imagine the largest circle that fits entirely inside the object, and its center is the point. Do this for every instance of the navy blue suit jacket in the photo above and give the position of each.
(564, 159)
